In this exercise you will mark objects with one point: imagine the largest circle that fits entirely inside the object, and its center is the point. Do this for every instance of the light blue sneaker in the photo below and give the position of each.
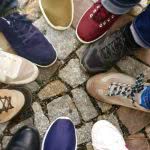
(60, 135)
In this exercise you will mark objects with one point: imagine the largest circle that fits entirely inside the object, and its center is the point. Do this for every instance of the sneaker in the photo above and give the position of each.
(105, 136)
(26, 138)
(104, 54)
(60, 135)
(95, 22)
(13, 101)
(16, 70)
(58, 14)
(120, 89)
(27, 41)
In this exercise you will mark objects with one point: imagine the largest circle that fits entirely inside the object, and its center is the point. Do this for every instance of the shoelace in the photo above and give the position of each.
(100, 14)
(22, 27)
(115, 50)
(120, 89)
(5, 102)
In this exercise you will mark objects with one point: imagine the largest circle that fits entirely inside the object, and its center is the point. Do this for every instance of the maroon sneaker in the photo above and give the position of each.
(95, 22)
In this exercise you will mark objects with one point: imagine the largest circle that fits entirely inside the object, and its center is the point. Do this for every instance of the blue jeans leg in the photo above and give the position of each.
(140, 28)
(119, 6)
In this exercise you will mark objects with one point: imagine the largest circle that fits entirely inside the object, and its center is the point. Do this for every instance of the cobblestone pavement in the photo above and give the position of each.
(60, 90)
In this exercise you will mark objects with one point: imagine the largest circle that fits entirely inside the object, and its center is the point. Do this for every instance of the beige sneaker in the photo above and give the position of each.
(120, 89)
(16, 70)
(58, 13)
(12, 101)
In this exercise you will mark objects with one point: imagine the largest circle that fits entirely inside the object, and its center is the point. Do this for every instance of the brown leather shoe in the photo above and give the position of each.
(12, 101)
(117, 88)
(137, 142)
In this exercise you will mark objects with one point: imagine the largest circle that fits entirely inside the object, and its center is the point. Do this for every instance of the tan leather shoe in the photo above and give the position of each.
(12, 101)
(118, 89)
(58, 13)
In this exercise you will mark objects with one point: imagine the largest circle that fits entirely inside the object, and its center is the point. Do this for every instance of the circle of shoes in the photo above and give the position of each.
(5, 103)
(121, 89)
(97, 10)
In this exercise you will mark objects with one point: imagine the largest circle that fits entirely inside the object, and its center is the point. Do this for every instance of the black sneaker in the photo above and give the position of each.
(102, 55)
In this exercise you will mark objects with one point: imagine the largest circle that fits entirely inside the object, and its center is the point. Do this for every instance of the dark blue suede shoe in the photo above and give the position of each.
(27, 41)
(60, 135)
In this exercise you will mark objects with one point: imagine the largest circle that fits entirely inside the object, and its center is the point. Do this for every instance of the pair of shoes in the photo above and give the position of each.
(58, 14)
(60, 135)
(120, 89)
(13, 100)
(26, 40)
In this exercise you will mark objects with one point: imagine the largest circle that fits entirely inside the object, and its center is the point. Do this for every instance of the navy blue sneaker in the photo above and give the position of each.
(60, 135)
(27, 41)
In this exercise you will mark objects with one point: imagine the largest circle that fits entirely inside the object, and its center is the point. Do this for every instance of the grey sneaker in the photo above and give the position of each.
(102, 55)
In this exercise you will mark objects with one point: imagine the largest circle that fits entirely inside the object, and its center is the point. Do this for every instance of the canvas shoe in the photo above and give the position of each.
(12, 101)
(105, 53)
(16, 70)
(60, 135)
(105, 136)
(58, 14)
(120, 89)
(26, 138)
(95, 22)
(27, 41)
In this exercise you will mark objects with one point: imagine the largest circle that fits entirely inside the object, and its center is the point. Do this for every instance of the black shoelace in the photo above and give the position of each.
(5, 102)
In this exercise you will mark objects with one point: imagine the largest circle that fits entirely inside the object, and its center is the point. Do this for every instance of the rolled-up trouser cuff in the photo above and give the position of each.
(111, 7)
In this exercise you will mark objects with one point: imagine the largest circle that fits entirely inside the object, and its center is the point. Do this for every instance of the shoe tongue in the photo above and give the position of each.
(9, 66)
(145, 98)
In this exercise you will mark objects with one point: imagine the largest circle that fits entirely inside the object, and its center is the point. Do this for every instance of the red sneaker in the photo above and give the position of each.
(94, 23)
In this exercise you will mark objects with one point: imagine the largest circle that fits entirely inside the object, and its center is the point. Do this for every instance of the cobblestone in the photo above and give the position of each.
(52, 89)
(34, 87)
(104, 106)
(63, 106)
(89, 146)
(5, 141)
(40, 120)
(147, 130)
(28, 122)
(84, 133)
(84, 105)
(73, 74)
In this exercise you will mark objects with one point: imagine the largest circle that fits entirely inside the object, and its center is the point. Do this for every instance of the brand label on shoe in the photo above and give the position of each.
(9, 65)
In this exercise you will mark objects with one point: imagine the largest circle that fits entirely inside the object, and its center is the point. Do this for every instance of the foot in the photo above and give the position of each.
(120, 89)
(27, 41)
(105, 136)
(26, 138)
(60, 136)
(95, 22)
(104, 54)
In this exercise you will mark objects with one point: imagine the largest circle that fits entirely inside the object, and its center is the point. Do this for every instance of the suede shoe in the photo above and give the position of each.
(26, 138)
(27, 41)
(95, 22)
(104, 54)
(60, 135)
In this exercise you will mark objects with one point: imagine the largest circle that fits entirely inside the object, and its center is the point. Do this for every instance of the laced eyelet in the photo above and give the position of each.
(101, 25)
(94, 11)
(108, 19)
(91, 15)
(104, 23)
(112, 16)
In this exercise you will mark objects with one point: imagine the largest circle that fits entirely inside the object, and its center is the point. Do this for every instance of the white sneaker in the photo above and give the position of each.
(106, 137)
(16, 70)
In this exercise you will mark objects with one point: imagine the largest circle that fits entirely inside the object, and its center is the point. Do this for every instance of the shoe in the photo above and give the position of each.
(16, 70)
(105, 53)
(27, 41)
(12, 101)
(58, 14)
(105, 136)
(120, 89)
(60, 135)
(94, 24)
(26, 138)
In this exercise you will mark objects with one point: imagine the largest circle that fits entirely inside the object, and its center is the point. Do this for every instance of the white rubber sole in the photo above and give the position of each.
(50, 23)
(42, 147)
(82, 41)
